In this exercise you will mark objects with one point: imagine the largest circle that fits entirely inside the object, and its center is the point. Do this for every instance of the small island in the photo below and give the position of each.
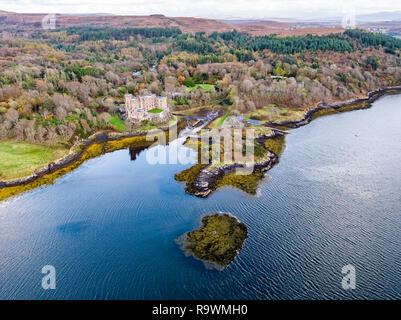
(217, 241)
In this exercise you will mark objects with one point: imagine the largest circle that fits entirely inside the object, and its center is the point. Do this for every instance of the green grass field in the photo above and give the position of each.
(155, 110)
(117, 122)
(218, 121)
(223, 119)
(275, 114)
(20, 159)
(206, 87)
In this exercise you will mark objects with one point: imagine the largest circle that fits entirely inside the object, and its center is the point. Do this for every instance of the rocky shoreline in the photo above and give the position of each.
(205, 181)
(76, 156)
(364, 102)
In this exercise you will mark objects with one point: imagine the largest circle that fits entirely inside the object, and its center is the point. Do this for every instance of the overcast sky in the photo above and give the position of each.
(206, 8)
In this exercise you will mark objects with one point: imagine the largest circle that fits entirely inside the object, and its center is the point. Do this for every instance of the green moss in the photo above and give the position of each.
(189, 176)
(324, 112)
(218, 239)
(258, 150)
(245, 182)
(275, 145)
(348, 108)
(248, 183)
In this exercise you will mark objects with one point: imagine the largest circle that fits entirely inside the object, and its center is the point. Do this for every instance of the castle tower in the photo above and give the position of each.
(137, 108)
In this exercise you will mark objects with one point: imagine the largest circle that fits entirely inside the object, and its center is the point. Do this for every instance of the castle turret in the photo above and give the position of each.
(128, 98)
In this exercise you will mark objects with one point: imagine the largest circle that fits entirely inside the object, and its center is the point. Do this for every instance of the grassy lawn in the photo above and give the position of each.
(117, 122)
(205, 87)
(150, 126)
(20, 159)
(275, 114)
(218, 121)
(223, 119)
(155, 110)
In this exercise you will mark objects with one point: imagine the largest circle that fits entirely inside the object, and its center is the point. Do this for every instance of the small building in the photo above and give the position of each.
(150, 107)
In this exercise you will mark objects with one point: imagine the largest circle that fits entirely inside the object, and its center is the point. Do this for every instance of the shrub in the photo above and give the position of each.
(189, 82)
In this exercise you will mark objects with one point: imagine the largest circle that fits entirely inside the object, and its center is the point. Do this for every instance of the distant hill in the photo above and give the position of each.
(185, 24)
(280, 28)
(268, 23)
(380, 16)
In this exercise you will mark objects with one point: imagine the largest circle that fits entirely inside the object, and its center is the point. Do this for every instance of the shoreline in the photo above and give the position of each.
(97, 144)
(366, 103)
(207, 181)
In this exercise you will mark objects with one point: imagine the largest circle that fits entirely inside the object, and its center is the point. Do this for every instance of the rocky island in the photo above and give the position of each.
(217, 241)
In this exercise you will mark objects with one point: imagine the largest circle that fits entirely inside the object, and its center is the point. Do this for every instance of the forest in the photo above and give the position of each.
(58, 86)
(204, 44)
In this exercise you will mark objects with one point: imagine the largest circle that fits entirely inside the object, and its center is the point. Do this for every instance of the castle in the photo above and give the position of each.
(150, 107)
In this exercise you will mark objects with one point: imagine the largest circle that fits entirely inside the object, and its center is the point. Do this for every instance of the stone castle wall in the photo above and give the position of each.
(137, 108)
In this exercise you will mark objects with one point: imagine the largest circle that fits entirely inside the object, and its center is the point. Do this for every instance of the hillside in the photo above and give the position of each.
(185, 24)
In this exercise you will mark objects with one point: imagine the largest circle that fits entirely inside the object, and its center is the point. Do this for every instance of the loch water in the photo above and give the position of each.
(109, 226)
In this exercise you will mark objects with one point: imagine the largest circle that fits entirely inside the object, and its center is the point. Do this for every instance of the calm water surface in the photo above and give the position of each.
(109, 226)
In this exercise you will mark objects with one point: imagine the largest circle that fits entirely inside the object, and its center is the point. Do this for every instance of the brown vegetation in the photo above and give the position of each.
(186, 24)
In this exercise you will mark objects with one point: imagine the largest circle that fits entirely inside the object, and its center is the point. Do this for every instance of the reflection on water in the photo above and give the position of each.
(109, 226)
(135, 151)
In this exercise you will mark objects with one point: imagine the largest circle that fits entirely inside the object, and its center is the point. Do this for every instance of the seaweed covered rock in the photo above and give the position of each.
(217, 241)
